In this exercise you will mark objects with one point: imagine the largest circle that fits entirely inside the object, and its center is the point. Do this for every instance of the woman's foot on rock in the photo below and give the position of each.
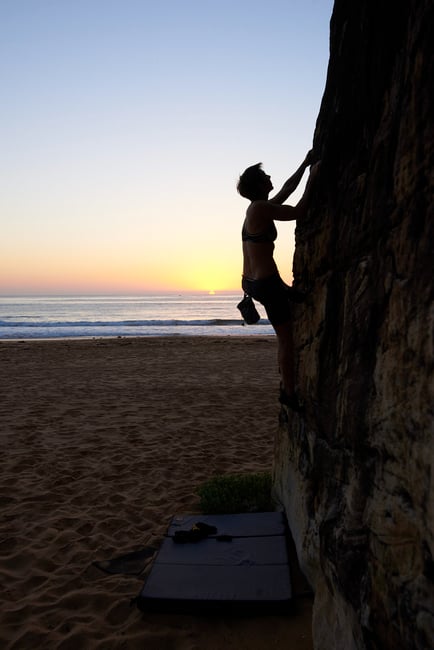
(291, 401)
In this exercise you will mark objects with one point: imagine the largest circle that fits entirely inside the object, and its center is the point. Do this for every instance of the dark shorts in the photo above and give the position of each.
(274, 294)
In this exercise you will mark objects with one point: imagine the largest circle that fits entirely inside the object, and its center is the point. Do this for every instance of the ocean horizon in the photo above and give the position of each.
(148, 314)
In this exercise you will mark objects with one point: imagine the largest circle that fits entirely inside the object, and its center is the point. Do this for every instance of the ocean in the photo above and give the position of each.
(44, 317)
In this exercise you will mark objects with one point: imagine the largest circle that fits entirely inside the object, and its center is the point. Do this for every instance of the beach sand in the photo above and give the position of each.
(102, 442)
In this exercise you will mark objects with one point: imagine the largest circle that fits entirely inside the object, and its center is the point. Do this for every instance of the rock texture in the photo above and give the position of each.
(356, 472)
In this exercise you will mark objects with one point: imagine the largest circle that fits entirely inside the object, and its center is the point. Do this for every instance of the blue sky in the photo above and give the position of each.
(124, 127)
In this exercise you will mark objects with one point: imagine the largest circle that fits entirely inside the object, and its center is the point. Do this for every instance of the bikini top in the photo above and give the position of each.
(268, 235)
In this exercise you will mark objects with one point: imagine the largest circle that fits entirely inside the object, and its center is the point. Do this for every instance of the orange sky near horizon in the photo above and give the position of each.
(209, 267)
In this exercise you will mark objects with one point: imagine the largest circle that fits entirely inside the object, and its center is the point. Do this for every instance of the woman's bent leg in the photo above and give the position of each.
(285, 354)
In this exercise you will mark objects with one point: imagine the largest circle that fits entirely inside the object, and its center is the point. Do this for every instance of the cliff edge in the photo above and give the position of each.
(355, 472)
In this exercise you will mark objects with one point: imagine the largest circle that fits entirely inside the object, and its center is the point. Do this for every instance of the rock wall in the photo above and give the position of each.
(355, 472)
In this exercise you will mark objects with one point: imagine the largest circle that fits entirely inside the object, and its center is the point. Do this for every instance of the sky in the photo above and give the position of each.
(124, 126)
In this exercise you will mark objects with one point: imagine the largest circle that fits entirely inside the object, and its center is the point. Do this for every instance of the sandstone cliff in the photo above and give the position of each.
(356, 472)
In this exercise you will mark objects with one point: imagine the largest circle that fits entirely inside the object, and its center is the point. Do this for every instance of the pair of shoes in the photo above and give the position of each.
(195, 534)
(296, 296)
(291, 401)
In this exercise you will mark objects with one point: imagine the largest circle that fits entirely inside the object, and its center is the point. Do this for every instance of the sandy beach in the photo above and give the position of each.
(102, 442)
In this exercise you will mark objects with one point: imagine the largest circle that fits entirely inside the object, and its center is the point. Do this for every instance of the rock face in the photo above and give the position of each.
(355, 472)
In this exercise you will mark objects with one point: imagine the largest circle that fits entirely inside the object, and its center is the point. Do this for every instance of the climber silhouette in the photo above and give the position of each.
(261, 279)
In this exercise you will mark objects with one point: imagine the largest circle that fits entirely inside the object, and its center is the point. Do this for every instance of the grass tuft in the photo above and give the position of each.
(235, 493)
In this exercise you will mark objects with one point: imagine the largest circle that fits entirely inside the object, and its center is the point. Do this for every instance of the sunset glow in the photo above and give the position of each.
(124, 128)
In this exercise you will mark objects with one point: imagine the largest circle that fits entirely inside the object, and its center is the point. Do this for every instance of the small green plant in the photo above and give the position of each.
(234, 493)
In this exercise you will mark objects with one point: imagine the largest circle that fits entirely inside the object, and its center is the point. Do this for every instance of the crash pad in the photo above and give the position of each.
(242, 567)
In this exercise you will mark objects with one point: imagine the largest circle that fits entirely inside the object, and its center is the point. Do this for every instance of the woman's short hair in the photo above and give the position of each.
(249, 182)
